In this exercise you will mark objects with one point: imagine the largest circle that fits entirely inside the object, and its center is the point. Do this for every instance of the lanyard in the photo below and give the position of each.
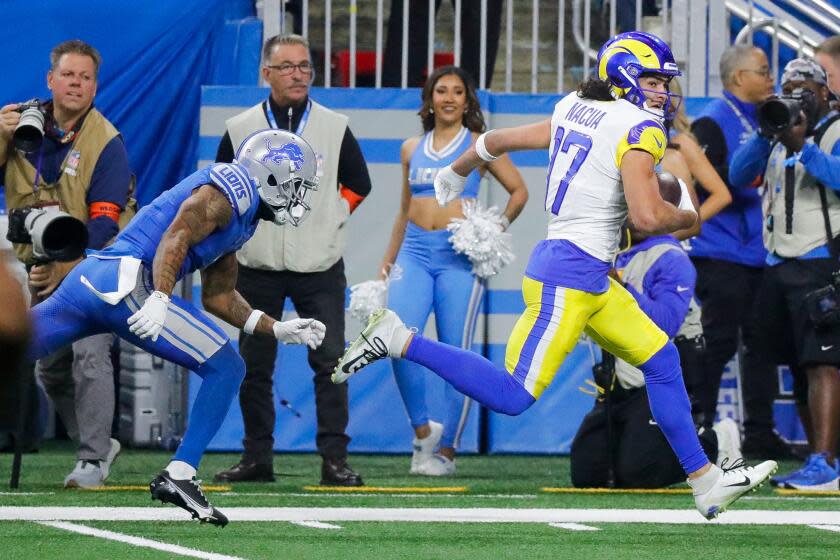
(824, 119)
(301, 125)
(745, 123)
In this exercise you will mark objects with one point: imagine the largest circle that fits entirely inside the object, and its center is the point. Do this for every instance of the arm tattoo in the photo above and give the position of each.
(201, 214)
(219, 295)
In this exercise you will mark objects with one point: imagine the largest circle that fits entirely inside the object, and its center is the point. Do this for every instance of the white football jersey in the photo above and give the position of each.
(583, 186)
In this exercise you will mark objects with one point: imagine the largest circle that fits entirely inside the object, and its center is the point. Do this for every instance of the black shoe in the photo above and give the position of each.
(336, 472)
(766, 445)
(186, 494)
(246, 472)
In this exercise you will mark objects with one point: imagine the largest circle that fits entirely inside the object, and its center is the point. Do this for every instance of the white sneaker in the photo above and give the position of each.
(87, 474)
(729, 442)
(383, 336)
(110, 458)
(424, 448)
(437, 465)
(713, 496)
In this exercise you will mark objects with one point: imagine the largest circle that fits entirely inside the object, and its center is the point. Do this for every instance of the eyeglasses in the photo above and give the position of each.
(287, 69)
(765, 73)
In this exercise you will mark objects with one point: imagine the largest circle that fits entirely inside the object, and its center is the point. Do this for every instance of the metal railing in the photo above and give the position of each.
(696, 29)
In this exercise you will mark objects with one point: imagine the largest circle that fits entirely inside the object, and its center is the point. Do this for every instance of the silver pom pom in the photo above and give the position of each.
(367, 297)
(481, 237)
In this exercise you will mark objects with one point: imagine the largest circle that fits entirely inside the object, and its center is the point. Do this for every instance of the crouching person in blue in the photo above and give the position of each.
(127, 288)
(619, 444)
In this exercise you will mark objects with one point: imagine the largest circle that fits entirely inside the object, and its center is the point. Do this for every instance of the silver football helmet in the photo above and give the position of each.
(284, 167)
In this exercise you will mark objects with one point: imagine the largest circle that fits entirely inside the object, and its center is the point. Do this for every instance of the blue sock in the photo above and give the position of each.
(472, 375)
(221, 376)
(670, 407)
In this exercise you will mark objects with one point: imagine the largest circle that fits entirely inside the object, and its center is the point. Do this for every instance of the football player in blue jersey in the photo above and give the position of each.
(197, 225)
(604, 143)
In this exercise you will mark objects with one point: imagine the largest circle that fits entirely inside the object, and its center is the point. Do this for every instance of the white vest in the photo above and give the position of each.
(808, 224)
(319, 241)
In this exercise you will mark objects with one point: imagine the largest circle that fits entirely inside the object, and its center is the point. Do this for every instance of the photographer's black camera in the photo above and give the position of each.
(54, 235)
(29, 133)
(781, 112)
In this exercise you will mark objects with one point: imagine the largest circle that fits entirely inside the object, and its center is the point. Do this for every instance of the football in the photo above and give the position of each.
(669, 188)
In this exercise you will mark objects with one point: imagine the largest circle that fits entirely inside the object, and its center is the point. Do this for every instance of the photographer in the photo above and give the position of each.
(64, 152)
(796, 158)
(618, 443)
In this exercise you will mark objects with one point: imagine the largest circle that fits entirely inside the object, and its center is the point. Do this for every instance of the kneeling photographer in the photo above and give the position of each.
(798, 155)
(618, 443)
(57, 156)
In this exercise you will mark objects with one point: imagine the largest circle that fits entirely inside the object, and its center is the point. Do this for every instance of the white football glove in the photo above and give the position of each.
(448, 185)
(148, 320)
(300, 331)
(685, 198)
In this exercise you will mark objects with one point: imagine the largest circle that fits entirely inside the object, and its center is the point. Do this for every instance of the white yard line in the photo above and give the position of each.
(574, 526)
(316, 524)
(373, 494)
(431, 515)
(137, 541)
(27, 493)
(835, 528)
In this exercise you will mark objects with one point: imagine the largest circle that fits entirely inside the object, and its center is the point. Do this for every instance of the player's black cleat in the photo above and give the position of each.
(186, 494)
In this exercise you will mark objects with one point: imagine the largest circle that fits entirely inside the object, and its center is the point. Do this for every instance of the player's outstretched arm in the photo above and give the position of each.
(219, 297)
(450, 181)
(648, 212)
(533, 136)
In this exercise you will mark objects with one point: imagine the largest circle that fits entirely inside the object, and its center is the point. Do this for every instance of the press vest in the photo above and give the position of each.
(634, 274)
(319, 241)
(807, 223)
(70, 191)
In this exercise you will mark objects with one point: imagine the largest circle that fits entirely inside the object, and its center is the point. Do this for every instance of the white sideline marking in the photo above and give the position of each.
(430, 515)
(316, 524)
(574, 527)
(835, 528)
(369, 494)
(137, 541)
(26, 493)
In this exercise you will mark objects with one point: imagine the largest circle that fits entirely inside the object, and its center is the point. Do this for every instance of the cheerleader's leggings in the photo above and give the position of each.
(434, 277)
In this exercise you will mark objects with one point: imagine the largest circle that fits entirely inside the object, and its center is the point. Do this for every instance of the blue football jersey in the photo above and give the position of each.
(142, 236)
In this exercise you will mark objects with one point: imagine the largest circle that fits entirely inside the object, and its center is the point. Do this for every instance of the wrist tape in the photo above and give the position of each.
(481, 149)
(252, 321)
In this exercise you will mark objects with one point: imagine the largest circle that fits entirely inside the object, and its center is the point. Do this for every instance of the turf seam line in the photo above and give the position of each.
(315, 524)
(137, 541)
(574, 526)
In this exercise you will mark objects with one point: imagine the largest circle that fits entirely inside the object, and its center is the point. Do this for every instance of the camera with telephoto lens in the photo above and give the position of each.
(781, 112)
(29, 132)
(54, 235)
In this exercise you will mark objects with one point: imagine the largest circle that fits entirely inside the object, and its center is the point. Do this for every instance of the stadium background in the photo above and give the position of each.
(172, 73)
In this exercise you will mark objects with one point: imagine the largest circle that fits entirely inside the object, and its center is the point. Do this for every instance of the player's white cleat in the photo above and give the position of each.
(425, 448)
(715, 490)
(384, 335)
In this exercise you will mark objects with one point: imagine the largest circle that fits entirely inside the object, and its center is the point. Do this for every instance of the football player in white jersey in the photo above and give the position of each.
(604, 143)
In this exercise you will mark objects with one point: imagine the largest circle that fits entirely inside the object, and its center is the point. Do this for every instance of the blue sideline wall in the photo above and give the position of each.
(381, 120)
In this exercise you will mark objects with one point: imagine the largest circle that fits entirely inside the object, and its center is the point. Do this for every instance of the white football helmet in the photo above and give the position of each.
(284, 168)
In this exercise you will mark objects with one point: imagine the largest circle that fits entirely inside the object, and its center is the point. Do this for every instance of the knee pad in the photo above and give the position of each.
(664, 366)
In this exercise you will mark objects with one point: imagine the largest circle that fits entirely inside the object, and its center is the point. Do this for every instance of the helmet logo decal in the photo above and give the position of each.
(290, 152)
